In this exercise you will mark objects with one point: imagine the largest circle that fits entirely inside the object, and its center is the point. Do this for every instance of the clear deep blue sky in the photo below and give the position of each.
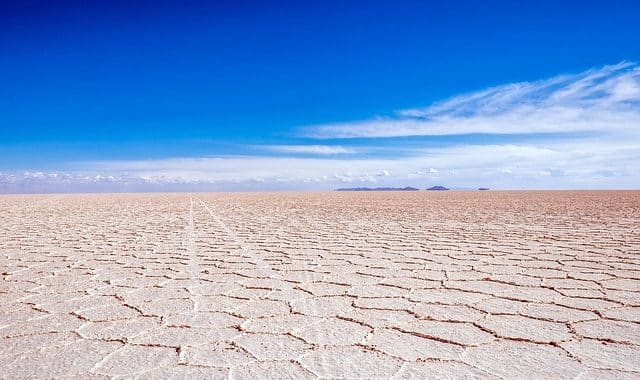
(151, 79)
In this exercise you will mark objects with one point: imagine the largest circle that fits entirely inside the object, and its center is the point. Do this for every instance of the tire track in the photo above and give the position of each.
(193, 268)
(245, 250)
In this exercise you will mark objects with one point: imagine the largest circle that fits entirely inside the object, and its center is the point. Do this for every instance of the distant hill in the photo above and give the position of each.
(438, 188)
(483, 188)
(377, 189)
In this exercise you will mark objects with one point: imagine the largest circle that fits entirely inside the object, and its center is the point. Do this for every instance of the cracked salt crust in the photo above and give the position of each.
(301, 286)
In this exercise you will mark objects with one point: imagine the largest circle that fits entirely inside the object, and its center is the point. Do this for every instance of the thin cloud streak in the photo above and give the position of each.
(579, 164)
(308, 149)
(605, 100)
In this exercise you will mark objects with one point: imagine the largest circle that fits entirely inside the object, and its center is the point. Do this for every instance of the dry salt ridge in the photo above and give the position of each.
(492, 285)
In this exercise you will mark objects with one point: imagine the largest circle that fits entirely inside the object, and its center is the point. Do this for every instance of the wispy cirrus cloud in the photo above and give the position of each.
(604, 103)
(603, 100)
(308, 149)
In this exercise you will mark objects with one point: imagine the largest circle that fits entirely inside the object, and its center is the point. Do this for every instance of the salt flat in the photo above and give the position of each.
(332, 285)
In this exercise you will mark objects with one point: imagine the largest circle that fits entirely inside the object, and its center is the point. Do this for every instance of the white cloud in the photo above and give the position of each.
(585, 163)
(308, 149)
(574, 164)
(602, 100)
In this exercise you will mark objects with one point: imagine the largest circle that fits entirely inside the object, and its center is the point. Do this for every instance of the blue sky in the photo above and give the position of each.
(257, 96)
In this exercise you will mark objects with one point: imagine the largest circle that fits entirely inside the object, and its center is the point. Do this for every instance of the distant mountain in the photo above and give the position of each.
(483, 188)
(438, 188)
(377, 189)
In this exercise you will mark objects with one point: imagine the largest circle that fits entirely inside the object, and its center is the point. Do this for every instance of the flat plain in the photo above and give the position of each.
(329, 285)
